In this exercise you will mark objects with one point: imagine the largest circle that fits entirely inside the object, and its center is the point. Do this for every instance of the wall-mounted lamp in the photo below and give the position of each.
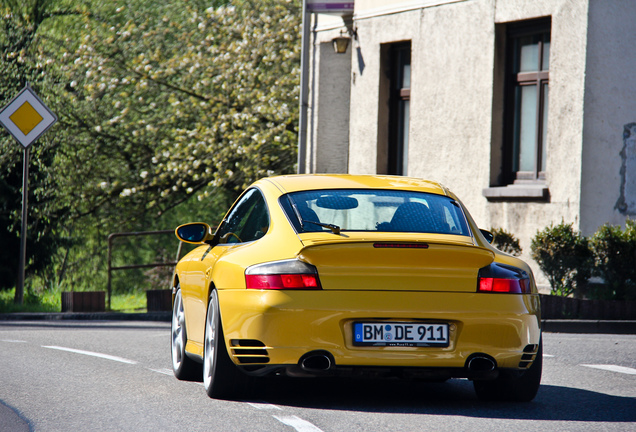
(341, 43)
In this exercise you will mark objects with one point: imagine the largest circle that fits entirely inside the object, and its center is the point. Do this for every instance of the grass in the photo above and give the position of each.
(51, 301)
(46, 302)
(132, 302)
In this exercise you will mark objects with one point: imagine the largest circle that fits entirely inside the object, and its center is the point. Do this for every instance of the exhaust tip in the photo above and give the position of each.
(317, 361)
(481, 363)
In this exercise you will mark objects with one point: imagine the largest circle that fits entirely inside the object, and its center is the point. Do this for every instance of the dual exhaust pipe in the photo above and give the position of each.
(323, 361)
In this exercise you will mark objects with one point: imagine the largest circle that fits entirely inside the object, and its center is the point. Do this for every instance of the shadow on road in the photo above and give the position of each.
(455, 397)
(12, 421)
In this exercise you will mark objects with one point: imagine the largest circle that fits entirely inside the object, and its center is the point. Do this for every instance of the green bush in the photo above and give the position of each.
(564, 256)
(615, 260)
(505, 241)
(33, 302)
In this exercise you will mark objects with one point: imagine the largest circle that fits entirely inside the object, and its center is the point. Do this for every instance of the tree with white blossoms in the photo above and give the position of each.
(169, 100)
(158, 102)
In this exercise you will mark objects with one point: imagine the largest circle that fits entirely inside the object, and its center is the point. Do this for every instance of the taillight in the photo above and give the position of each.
(513, 286)
(284, 281)
(502, 278)
(287, 274)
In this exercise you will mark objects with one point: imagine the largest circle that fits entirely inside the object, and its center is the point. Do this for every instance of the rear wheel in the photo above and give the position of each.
(221, 377)
(512, 385)
(183, 367)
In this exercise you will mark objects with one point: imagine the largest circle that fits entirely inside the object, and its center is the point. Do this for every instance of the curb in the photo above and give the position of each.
(589, 326)
(86, 316)
(548, 326)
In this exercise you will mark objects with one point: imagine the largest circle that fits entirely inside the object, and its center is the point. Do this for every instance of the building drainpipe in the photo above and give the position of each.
(304, 91)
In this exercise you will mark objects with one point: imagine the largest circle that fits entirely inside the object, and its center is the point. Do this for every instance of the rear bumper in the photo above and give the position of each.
(278, 327)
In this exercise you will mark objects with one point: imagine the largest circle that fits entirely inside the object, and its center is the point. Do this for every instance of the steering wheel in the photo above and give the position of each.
(230, 234)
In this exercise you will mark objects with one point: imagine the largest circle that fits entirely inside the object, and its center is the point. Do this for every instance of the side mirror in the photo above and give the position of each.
(487, 235)
(194, 233)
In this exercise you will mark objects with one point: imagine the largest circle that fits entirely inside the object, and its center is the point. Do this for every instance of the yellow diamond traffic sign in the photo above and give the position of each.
(26, 117)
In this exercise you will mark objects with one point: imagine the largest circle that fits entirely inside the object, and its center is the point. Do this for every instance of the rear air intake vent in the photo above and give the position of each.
(530, 352)
(246, 343)
(249, 351)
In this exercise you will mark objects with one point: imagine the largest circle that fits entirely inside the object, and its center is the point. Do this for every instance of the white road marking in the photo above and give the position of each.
(164, 371)
(13, 341)
(264, 406)
(297, 423)
(612, 368)
(92, 354)
(547, 355)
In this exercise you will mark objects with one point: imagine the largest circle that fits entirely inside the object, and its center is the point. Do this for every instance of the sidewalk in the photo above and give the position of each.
(550, 326)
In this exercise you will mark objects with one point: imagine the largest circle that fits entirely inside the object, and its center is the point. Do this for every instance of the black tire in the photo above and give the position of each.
(221, 378)
(184, 368)
(513, 386)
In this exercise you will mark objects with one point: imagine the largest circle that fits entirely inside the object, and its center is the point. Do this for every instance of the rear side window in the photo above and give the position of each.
(247, 221)
(375, 210)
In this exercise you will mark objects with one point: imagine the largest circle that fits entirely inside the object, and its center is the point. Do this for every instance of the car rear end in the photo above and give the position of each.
(422, 297)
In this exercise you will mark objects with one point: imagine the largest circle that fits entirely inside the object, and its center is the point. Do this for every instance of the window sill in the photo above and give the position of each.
(518, 192)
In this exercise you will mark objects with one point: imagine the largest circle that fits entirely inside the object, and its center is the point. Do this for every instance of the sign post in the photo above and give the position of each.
(26, 117)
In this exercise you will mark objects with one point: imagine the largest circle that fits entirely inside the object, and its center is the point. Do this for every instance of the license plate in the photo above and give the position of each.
(400, 334)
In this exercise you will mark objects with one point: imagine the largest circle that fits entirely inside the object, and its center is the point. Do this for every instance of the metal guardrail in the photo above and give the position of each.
(136, 266)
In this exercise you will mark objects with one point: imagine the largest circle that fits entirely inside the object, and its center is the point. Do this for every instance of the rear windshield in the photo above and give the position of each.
(374, 210)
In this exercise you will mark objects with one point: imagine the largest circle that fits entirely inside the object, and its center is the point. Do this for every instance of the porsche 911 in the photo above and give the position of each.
(353, 276)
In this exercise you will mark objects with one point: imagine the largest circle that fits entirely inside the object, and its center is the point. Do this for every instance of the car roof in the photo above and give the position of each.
(301, 182)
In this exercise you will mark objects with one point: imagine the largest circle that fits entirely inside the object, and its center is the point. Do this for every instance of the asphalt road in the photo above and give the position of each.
(115, 376)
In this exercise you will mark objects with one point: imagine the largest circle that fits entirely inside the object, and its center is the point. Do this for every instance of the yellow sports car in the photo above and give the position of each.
(344, 275)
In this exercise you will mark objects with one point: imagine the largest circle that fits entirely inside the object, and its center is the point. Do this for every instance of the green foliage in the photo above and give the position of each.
(165, 109)
(564, 256)
(129, 302)
(166, 103)
(51, 301)
(43, 302)
(505, 241)
(142, 250)
(615, 257)
(21, 63)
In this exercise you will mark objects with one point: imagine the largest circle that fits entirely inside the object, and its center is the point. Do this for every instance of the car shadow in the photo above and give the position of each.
(455, 397)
